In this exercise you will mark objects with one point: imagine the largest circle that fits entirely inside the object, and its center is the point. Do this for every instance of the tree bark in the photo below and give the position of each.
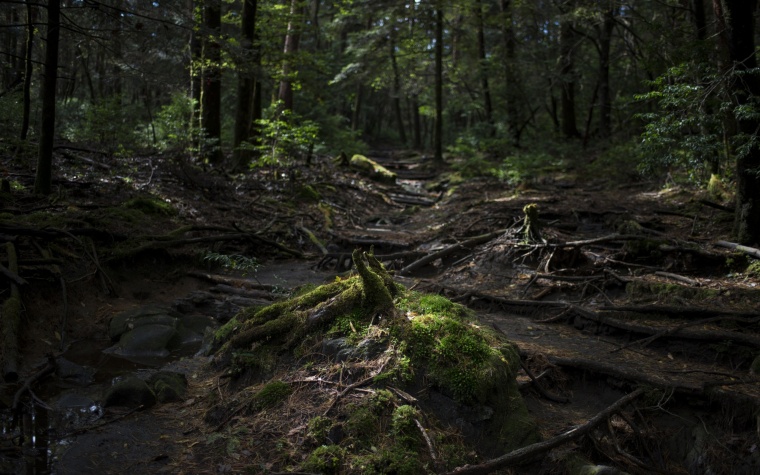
(196, 73)
(736, 17)
(291, 47)
(396, 85)
(483, 67)
(438, 133)
(246, 88)
(211, 95)
(567, 73)
(44, 177)
(510, 76)
(28, 69)
(605, 97)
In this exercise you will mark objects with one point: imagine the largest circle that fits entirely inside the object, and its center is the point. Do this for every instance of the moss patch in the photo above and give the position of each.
(372, 169)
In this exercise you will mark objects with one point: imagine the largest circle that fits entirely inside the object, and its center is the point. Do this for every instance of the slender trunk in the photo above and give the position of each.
(510, 75)
(211, 95)
(438, 139)
(357, 107)
(44, 177)
(605, 99)
(396, 86)
(291, 47)
(416, 121)
(567, 76)
(28, 69)
(483, 66)
(246, 88)
(196, 74)
(736, 19)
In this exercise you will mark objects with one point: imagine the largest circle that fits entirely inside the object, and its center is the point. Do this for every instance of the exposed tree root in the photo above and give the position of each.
(527, 453)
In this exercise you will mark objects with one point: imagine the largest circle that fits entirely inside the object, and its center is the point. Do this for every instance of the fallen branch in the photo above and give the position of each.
(524, 454)
(678, 278)
(754, 252)
(231, 281)
(446, 251)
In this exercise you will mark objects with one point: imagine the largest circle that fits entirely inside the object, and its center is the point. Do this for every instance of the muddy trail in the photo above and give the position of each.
(606, 287)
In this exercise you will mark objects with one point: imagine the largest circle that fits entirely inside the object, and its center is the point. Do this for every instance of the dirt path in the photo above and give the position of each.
(704, 399)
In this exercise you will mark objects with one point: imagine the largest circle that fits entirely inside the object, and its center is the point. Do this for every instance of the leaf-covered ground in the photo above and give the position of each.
(627, 285)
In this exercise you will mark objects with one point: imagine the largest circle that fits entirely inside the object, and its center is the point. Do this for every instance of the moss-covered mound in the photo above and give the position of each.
(373, 378)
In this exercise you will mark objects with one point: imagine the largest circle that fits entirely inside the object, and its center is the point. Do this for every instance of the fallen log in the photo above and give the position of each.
(527, 453)
(754, 252)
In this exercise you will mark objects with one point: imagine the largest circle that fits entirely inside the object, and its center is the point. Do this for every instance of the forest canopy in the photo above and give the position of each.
(662, 88)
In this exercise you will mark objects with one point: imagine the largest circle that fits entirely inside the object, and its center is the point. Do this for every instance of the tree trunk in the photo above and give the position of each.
(483, 66)
(510, 76)
(567, 74)
(291, 48)
(736, 17)
(196, 73)
(246, 88)
(416, 121)
(44, 177)
(211, 95)
(28, 69)
(396, 85)
(605, 97)
(355, 114)
(438, 133)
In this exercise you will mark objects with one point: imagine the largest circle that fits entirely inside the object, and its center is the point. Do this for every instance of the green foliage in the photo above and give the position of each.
(109, 123)
(284, 137)
(151, 206)
(326, 459)
(172, 123)
(318, 429)
(233, 261)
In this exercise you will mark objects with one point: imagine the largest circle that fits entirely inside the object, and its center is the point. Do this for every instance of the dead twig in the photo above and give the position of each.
(449, 250)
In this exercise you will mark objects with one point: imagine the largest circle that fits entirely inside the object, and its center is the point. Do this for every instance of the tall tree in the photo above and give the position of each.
(292, 38)
(211, 94)
(510, 75)
(247, 72)
(438, 133)
(736, 19)
(44, 178)
(483, 66)
(28, 69)
(567, 70)
(605, 96)
(396, 82)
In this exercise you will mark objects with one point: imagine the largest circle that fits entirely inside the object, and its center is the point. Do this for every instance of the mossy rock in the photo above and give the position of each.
(307, 194)
(372, 169)
(130, 392)
(147, 340)
(140, 316)
(168, 386)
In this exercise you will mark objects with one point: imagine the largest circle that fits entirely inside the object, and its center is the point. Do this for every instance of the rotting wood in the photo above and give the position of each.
(484, 238)
(754, 252)
(525, 454)
(683, 311)
(248, 293)
(712, 204)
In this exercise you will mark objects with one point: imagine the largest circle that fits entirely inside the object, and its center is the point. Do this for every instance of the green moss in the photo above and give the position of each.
(372, 169)
(260, 361)
(150, 205)
(753, 269)
(318, 428)
(363, 424)
(271, 395)
(326, 459)
(642, 248)
(307, 194)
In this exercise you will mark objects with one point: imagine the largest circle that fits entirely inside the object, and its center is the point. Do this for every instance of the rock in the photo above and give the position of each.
(73, 373)
(197, 323)
(147, 340)
(168, 386)
(140, 316)
(130, 392)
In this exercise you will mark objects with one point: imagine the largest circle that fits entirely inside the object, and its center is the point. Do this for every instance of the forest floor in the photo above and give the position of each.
(630, 284)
